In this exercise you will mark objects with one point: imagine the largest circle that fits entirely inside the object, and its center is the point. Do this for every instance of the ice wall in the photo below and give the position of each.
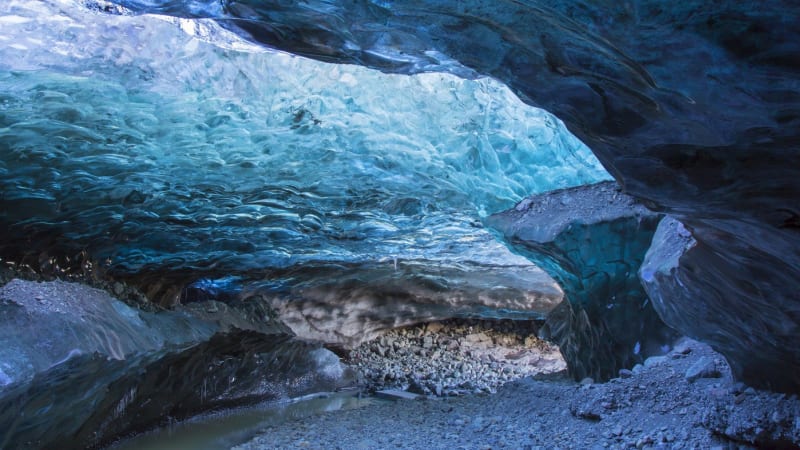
(79, 369)
(693, 106)
(592, 239)
(173, 149)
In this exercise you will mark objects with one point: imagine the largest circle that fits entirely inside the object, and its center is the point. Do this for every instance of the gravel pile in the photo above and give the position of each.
(455, 357)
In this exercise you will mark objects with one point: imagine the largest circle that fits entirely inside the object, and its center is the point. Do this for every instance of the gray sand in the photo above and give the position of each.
(684, 400)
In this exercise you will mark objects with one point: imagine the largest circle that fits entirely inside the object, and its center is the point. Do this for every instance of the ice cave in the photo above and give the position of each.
(216, 206)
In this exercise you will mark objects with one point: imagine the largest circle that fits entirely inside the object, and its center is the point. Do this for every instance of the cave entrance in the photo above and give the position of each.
(456, 357)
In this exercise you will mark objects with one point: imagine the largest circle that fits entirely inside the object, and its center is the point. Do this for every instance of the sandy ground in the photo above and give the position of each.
(683, 400)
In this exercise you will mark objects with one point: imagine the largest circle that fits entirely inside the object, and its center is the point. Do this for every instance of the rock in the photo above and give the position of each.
(588, 414)
(531, 341)
(625, 373)
(477, 337)
(683, 347)
(394, 394)
(654, 361)
(703, 368)
(416, 386)
(738, 388)
(645, 440)
(433, 327)
(475, 365)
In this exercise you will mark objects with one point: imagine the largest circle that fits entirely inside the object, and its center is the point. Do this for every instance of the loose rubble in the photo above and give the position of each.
(80, 271)
(455, 357)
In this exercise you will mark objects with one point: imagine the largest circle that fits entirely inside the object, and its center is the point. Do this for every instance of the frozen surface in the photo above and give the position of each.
(79, 368)
(161, 145)
(592, 240)
(671, 273)
(715, 144)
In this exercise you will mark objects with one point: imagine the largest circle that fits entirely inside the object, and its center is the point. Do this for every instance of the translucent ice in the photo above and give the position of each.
(79, 369)
(592, 239)
(169, 144)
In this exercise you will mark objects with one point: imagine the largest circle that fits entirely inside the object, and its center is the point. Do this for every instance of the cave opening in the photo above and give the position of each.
(276, 225)
(210, 169)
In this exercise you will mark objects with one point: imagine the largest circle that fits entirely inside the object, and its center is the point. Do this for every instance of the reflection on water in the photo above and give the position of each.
(226, 429)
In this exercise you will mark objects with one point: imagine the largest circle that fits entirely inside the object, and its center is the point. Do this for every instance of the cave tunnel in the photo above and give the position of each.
(268, 181)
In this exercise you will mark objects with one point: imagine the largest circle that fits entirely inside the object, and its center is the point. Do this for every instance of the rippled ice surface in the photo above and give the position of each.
(170, 144)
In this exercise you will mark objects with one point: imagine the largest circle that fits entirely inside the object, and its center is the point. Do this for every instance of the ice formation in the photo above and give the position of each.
(592, 240)
(691, 105)
(173, 147)
(88, 369)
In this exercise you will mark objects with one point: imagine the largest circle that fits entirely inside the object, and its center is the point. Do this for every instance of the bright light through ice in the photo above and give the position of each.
(167, 141)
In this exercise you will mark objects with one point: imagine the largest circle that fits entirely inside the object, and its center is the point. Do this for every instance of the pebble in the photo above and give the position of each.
(654, 360)
(703, 368)
(657, 409)
(682, 348)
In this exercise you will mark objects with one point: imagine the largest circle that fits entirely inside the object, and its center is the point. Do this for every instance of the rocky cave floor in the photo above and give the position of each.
(489, 399)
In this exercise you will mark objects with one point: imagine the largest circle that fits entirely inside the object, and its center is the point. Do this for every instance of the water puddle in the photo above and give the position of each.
(224, 430)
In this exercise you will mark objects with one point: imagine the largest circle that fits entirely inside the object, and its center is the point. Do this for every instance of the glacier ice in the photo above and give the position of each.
(671, 273)
(592, 240)
(716, 145)
(172, 149)
(85, 369)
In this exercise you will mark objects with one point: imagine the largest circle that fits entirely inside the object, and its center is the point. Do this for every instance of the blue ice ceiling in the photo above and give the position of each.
(170, 144)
